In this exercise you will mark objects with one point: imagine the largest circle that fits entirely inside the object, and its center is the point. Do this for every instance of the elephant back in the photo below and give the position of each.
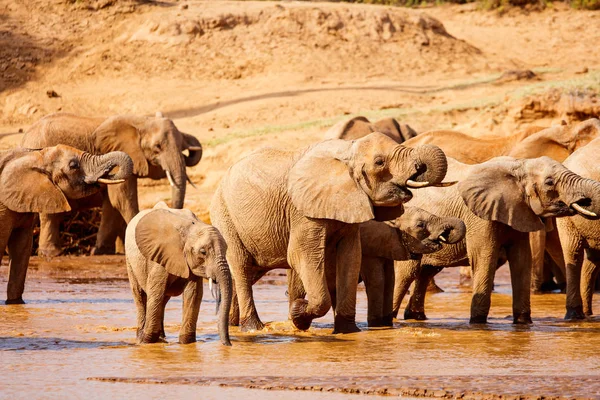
(61, 128)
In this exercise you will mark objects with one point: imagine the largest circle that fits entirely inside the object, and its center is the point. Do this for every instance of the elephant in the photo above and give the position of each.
(414, 233)
(301, 210)
(500, 201)
(168, 252)
(46, 180)
(556, 142)
(580, 240)
(357, 127)
(155, 146)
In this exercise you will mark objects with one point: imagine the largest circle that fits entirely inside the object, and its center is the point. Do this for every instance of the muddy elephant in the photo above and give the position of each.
(580, 240)
(556, 142)
(168, 253)
(45, 181)
(500, 201)
(301, 210)
(357, 127)
(155, 146)
(409, 236)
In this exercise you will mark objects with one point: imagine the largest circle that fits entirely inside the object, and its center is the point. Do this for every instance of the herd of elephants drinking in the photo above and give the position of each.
(375, 202)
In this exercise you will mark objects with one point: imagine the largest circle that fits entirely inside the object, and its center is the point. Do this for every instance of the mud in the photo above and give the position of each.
(76, 336)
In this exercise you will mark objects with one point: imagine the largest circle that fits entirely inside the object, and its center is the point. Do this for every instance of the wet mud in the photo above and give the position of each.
(76, 335)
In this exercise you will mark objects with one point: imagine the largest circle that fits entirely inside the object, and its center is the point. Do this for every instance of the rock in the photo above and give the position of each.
(51, 93)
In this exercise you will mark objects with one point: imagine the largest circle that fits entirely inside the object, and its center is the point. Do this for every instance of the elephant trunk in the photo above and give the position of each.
(584, 196)
(100, 168)
(223, 276)
(194, 148)
(452, 230)
(174, 167)
(432, 164)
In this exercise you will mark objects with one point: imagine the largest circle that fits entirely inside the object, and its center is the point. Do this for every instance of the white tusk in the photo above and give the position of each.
(171, 182)
(191, 183)
(445, 184)
(442, 238)
(194, 148)
(110, 181)
(414, 184)
(583, 211)
(210, 284)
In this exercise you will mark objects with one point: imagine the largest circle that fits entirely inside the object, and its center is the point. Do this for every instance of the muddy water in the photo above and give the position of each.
(75, 336)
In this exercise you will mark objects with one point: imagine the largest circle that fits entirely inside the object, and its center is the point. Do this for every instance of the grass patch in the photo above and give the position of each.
(589, 81)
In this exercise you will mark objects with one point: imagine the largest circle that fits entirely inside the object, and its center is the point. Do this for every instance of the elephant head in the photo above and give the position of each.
(517, 192)
(424, 232)
(357, 181)
(154, 140)
(190, 249)
(358, 127)
(43, 180)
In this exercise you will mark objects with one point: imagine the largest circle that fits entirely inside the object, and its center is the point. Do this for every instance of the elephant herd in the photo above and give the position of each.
(375, 202)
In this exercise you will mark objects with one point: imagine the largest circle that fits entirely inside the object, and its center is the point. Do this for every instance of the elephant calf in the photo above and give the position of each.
(168, 252)
(43, 181)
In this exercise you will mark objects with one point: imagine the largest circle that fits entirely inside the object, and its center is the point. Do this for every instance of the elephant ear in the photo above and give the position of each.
(353, 128)
(118, 134)
(158, 235)
(26, 187)
(321, 186)
(492, 192)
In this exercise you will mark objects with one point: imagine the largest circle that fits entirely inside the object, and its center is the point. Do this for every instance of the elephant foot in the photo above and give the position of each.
(187, 338)
(154, 337)
(234, 320)
(380, 322)
(478, 319)
(300, 319)
(49, 252)
(432, 287)
(18, 300)
(588, 312)
(418, 315)
(343, 324)
(522, 318)
(102, 250)
(574, 313)
(251, 324)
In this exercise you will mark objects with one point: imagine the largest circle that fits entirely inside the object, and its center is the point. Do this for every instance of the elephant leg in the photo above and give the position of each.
(155, 292)
(415, 309)
(347, 260)
(19, 250)
(372, 273)
(192, 297)
(433, 287)
(405, 273)
(110, 225)
(589, 273)
(537, 242)
(555, 251)
(50, 244)
(295, 289)
(234, 311)
(483, 264)
(573, 247)
(139, 298)
(519, 261)
(388, 293)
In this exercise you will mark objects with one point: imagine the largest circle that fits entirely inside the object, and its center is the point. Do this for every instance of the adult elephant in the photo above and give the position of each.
(556, 142)
(154, 144)
(580, 240)
(360, 126)
(301, 210)
(500, 201)
(45, 181)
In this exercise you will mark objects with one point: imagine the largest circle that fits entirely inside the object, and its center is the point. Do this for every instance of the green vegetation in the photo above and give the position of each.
(485, 4)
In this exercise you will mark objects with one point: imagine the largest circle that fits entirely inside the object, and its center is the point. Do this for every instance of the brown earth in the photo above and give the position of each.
(241, 75)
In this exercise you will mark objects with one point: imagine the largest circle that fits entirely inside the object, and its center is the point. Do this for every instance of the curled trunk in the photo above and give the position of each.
(223, 276)
(194, 148)
(101, 167)
(453, 230)
(433, 164)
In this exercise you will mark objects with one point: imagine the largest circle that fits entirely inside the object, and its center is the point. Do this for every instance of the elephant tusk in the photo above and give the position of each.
(171, 182)
(583, 211)
(445, 184)
(190, 182)
(195, 148)
(110, 181)
(210, 284)
(415, 184)
(442, 238)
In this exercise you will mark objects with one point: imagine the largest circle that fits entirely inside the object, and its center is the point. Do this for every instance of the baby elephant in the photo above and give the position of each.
(168, 252)
(45, 181)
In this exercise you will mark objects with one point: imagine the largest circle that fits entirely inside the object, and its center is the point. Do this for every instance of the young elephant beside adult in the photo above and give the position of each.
(357, 127)
(500, 201)
(45, 181)
(301, 210)
(414, 233)
(168, 252)
(580, 240)
(155, 146)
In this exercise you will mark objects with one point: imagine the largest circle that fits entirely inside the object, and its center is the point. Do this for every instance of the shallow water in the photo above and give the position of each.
(76, 336)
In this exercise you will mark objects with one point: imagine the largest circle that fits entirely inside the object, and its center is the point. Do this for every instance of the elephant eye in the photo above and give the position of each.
(74, 164)
(157, 147)
(202, 251)
(549, 182)
(420, 224)
(379, 161)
